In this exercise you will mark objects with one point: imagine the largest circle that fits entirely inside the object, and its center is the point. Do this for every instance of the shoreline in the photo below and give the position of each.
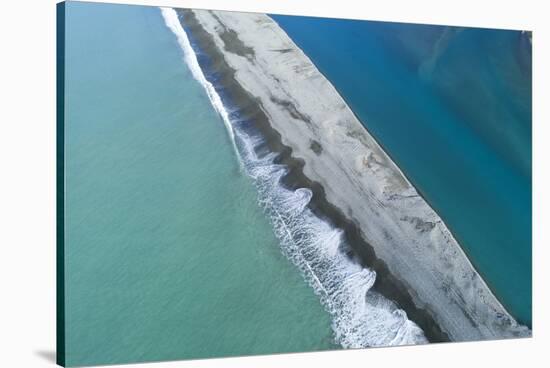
(469, 320)
(385, 283)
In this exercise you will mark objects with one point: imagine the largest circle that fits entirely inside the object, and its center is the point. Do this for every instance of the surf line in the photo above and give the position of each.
(361, 317)
(172, 22)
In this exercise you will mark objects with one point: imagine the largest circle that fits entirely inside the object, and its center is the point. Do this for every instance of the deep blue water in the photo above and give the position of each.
(452, 107)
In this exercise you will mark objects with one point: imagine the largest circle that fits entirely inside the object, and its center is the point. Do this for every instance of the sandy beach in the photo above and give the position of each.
(355, 184)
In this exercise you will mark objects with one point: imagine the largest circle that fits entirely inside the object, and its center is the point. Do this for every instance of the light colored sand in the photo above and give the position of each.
(359, 178)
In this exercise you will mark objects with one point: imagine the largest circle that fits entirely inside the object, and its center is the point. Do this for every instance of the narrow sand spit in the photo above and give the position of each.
(412, 245)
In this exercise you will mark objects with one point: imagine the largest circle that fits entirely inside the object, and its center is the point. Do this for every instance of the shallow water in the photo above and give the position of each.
(168, 253)
(452, 107)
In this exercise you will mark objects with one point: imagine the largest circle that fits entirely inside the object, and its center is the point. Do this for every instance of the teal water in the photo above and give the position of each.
(452, 107)
(168, 254)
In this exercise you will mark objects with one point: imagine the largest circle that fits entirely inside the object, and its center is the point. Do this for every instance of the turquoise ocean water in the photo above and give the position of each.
(452, 107)
(168, 254)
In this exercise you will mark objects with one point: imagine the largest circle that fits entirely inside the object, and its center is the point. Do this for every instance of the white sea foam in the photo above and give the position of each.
(360, 316)
(172, 22)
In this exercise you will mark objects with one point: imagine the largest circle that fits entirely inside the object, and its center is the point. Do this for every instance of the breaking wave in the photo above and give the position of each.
(172, 22)
(361, 317)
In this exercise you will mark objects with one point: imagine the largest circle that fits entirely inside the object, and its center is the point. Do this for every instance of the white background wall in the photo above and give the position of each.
(27, 181)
